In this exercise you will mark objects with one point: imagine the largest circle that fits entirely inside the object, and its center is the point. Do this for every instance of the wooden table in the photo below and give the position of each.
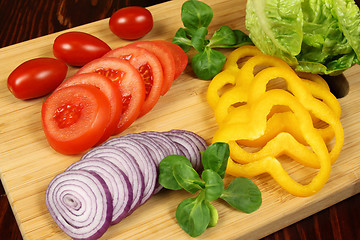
(27, 19)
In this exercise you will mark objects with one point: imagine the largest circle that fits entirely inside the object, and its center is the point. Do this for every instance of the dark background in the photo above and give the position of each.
(22, 20)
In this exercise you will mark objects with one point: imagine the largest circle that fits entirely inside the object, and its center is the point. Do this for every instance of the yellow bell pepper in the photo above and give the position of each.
(231, 69)
(296, 120)
(269, 164)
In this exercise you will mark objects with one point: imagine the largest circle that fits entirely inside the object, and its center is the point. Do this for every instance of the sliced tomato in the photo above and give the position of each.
(150, 69)
(110, 90)
(129, 82)
(166, 58)
(180, 57)
(74, 118)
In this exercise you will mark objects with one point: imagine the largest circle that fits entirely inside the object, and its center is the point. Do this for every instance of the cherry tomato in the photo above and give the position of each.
(131, 22)
(112, 93)
(74, 118)
(180, 57)
(166, 58)
(78, 48)
(36, 77)
(127, 79)
(150, 69)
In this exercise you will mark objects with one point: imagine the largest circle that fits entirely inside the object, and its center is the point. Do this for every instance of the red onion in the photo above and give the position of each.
(80, 203)
(164, 141)
(111, 181)
(157, 151)
(143, 158)
(187, 147)
(199, 142)
(127, 164)
(116, 180)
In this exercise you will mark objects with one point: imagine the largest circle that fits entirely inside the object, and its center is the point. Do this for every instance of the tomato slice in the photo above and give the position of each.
(129, 82)
(150, 69)
(110, 90)
(180, 57)
(74, 118)
(166, 58)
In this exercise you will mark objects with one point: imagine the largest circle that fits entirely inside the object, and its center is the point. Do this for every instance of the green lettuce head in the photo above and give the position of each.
(317, 36)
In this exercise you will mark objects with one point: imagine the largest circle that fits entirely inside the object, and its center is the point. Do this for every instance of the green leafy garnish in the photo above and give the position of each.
(196, 17)
(194, 215)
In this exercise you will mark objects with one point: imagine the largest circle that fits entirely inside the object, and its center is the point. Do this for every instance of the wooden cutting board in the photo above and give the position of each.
(27, 163)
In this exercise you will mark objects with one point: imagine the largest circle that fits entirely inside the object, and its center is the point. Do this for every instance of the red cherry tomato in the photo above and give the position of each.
(131, 22)
(166, 58)
(150, 69)
(36, 78)
(74, 118)
(127, 79)
(112, 93)
(78, 48)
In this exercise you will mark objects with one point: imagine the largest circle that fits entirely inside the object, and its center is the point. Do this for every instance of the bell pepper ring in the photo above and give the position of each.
(298, 120)
(227, 76)
(269, 164)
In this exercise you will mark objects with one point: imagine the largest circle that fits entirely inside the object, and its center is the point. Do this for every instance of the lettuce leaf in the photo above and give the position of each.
(318, 36)
(275, 27)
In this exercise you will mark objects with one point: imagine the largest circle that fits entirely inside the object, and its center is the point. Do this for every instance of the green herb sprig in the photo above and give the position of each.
(195, 215)
(196, 17)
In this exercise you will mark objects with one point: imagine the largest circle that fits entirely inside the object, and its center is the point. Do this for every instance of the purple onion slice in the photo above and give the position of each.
(116, 180)
(187, 147)
(143, 158)
(199, 142)
(157, 151)
(166, 142)
(127, 164)
(195, 138)
(80, 203)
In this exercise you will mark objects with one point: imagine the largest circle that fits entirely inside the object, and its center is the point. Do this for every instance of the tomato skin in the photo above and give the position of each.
(36, 77)
(131, 22)
(129, 81)
(77, 132)
(166, 58)
(180, 57)
(78, 48)
(150, 69)
(111, 92)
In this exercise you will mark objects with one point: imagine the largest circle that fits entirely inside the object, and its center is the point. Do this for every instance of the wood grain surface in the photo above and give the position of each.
(19, 144)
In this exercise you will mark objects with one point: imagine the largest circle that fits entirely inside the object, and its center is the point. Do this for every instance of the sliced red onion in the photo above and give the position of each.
(127, 164)
(142, 156)
(163, 140)
(195, 138)
(187, 147)
(199, 142)
(157, 151)
(116, 180)
(80, 203)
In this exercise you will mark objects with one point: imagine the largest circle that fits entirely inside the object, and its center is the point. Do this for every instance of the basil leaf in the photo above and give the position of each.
(224, 37)
(214, 216)
(208, 63)
(214, 185)
(215, 157)
(188, 178)
(182, 39)
(193, 216)
(196, 14)
(198, 40)
(166, 166)
(243, 195)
